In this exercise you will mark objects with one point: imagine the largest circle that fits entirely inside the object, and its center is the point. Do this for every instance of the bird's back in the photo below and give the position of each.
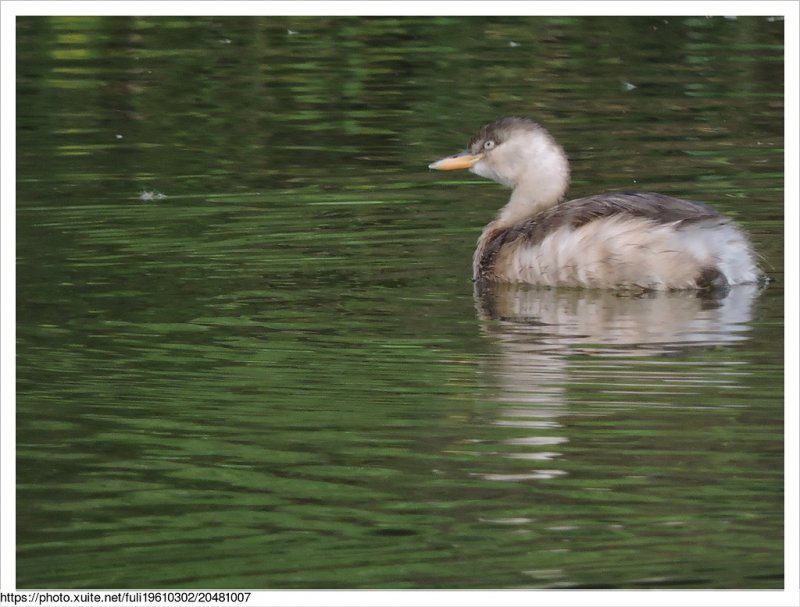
(619, 239)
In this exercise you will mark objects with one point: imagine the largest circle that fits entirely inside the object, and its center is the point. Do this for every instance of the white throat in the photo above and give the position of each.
(535, 166)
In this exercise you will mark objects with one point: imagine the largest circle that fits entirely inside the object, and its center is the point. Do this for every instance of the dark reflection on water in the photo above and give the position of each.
(248, 351)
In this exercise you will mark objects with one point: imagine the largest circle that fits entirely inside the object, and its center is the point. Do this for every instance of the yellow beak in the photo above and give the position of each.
(462, 160)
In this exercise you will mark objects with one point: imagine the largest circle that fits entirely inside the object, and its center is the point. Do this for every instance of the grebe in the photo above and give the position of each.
(638, 240)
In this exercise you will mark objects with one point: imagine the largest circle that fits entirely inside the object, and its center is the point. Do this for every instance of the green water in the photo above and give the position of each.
(249, 354)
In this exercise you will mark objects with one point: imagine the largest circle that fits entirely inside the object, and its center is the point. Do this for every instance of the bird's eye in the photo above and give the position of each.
(488, 144)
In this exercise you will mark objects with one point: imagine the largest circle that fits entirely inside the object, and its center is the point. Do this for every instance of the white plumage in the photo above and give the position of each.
(637, 240)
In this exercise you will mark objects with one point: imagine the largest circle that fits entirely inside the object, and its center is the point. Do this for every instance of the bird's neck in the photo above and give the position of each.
(530, 197)
(526, 201)
(540, 181)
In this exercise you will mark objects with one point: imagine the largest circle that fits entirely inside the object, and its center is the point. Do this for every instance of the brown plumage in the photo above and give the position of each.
(620, 239)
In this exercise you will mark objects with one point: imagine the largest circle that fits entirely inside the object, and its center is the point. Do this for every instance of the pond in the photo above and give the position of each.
(250, 353)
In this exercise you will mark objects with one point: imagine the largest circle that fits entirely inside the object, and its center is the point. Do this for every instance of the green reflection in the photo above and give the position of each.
(276, 375)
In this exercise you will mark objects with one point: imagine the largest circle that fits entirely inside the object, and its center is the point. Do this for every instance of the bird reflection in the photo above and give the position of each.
(539, 331)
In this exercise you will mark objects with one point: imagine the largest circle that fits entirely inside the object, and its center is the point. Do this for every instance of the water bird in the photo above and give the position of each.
(617, 240)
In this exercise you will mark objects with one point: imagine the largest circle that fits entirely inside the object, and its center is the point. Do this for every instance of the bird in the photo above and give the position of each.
(642, 241)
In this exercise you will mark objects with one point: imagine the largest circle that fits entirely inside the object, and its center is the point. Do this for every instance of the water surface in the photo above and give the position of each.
(249, 350)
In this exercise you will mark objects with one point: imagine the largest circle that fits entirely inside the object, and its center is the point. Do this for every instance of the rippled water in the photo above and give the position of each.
(250, 354)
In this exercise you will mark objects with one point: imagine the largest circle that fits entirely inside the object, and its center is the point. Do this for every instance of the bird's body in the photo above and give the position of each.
(617, 240)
